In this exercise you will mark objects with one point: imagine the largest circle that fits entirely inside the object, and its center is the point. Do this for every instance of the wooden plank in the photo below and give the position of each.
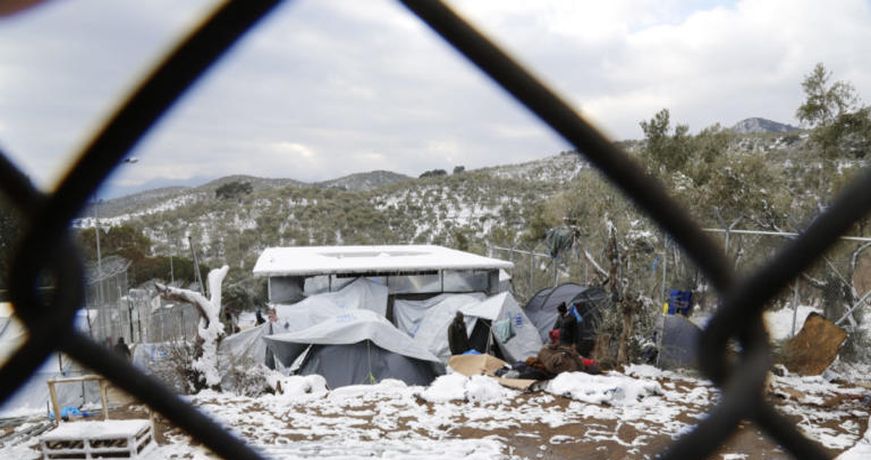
(53, 394)
(104, 396)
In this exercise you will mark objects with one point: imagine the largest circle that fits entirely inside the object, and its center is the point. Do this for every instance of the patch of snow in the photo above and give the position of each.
(301, 387)
(451, 387)
(643, 371)
(483, 389)
(779, 322)
(861, 450)
(613, 388)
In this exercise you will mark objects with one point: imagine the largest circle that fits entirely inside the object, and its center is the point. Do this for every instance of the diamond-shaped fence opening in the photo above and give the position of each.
(47, 250)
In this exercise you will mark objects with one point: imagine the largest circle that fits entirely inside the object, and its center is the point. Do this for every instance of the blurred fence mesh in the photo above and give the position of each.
(47, 248)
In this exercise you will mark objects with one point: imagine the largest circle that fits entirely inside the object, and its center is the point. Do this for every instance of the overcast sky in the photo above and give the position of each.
(326, 88)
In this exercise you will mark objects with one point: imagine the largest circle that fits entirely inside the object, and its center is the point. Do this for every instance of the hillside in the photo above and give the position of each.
(454, 210)
(362, 182)
(761, 125)
(494, 205)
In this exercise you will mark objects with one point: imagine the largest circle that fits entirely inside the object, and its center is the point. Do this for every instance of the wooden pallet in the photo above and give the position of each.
(93, 440)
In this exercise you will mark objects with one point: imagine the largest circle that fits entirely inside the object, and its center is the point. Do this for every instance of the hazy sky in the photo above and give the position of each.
(326, 88)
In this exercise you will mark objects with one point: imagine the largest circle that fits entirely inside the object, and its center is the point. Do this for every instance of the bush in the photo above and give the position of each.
(434, 173)
(233, 190)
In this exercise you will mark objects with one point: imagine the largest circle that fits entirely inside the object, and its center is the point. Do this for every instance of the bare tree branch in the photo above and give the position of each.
(815, 282)
(601, 271)
(854, 259)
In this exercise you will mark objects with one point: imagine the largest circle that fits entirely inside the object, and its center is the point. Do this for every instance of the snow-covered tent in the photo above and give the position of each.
(590, 301)
(248, 346)
(354, 347)
(514, 335)
(33, 397)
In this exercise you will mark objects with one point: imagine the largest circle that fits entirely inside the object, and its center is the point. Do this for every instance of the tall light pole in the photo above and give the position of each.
(99, 255)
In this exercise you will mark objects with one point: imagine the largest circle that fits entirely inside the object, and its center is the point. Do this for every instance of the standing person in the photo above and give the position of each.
(122, 348)
(568, 326)
(259, 317)
(554, 333)
(458, 340)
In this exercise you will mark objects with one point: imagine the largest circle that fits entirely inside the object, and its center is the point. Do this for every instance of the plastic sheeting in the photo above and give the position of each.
(244, 350)
(436, 314)
(409, 314)
(432, 327)
(33, 397)
(336, 351)
(245, 345)
(344, 329)
(500, 307)
(362, 294)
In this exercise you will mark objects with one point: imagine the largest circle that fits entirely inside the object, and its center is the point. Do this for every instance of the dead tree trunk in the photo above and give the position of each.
(210, 330)
(626, 307)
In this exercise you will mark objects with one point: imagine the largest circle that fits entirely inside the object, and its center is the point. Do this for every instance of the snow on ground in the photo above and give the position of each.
(628, 415)
(815, 403)
(862, 449)
(779, 322)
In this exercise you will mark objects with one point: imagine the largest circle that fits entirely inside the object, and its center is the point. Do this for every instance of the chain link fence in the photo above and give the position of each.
(47, 250)
(136, 315)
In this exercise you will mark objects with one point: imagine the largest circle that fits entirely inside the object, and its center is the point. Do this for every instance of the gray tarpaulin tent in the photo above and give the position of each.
(590, 300)
(680, 337)
(354, 347)
(427, 321)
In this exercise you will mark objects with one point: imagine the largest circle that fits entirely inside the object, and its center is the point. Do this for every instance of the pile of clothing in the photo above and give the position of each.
(552, 359)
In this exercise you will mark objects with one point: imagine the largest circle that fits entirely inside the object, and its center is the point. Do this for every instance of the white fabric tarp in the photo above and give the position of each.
(428, 321)
(349, 327)
(246, 345)
(409, 314)
(362, 294)
(502, 307)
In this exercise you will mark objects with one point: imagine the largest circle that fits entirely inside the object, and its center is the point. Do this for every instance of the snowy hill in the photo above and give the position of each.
(376, 207)
(365, 181)
(233, 218)
(761, 125)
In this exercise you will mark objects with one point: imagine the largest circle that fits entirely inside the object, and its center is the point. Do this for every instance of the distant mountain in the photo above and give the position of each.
(151, 201)
(363, 182)
(762, 125)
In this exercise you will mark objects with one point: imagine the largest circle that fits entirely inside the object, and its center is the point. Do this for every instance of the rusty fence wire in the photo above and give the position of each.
(46, 250)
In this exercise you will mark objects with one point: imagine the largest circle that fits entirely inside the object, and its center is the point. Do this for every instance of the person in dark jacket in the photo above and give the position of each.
(458, 340)
(554, 333)
(122, 348)
(568, 326)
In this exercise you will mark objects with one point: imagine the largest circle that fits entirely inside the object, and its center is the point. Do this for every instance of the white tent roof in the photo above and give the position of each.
(321, 260)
